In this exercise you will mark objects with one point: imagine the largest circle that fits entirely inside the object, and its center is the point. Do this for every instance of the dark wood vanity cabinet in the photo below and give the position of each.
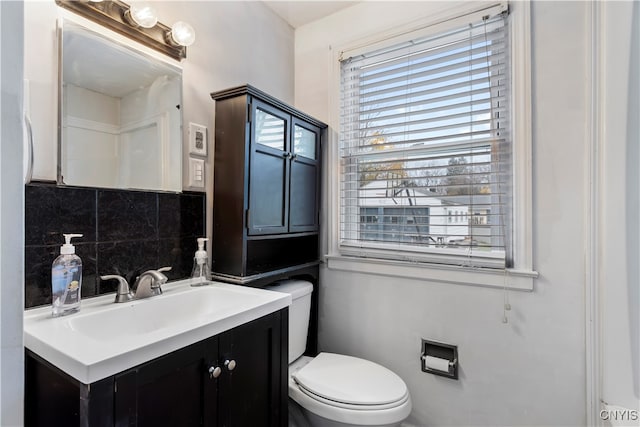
(182, 388)
(266, 185)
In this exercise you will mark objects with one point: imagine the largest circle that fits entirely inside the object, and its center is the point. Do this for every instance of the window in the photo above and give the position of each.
(425, 143)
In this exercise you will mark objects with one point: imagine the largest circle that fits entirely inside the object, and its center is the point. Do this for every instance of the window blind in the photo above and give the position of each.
(425, 149)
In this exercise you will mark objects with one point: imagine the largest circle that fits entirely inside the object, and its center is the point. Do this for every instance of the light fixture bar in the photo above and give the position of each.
(111, 14)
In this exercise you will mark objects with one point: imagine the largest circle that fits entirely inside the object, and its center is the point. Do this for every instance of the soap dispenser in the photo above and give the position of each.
(66, 279)
(201, 270)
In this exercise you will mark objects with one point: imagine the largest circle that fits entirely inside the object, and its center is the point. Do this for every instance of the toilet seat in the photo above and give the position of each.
(349, 389)
(356, 407)
(351, 381)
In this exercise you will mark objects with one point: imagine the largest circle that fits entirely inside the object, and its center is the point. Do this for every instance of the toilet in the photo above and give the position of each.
(334, 389)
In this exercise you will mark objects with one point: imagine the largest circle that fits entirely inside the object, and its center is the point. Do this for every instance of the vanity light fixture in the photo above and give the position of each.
(181, 34)
(141, 14)
(137, 21)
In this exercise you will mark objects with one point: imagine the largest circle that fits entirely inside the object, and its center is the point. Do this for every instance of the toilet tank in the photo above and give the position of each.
(299, 312)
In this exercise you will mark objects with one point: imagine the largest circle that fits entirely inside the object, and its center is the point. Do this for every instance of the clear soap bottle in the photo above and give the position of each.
(201, 270)
(66, 279)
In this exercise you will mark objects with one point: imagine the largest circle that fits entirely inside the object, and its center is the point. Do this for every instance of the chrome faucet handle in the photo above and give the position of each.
(160, 280)
(124, 293)
(150, 283)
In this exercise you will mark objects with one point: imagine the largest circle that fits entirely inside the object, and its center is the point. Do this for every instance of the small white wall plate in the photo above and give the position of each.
(196, 173)
(197, 139)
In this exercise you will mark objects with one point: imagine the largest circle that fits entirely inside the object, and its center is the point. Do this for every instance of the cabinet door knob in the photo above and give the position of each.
(214, 372)
(286, 154)
(230, 364)
(294, 156)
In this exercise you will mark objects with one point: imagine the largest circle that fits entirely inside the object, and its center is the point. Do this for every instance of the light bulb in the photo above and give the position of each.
(182, 34)
(143, 14)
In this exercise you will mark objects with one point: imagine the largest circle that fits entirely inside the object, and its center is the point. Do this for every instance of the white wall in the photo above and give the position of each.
(237, 42)
(11, 215)
(619, 278)
(530, 371)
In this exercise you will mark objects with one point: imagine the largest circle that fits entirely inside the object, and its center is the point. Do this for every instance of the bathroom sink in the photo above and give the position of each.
(105, 338)
(173, 311)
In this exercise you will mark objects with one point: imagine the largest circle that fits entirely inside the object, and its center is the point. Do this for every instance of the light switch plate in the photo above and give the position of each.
(197, 139)
(196, 173)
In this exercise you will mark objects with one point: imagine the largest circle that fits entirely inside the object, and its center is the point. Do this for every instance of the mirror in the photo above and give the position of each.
(120, 118)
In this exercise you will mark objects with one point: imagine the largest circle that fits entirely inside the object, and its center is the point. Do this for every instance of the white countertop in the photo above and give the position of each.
(105, 338)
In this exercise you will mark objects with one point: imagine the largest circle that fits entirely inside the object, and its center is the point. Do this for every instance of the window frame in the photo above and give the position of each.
(521, 275)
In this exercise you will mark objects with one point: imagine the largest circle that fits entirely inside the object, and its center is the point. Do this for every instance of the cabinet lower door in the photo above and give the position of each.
(303, 203)
(252, 392)
(173, 390)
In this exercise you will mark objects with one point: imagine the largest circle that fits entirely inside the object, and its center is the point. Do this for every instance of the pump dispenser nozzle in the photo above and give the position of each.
(201, 270)
(201, 253)
(68, 248)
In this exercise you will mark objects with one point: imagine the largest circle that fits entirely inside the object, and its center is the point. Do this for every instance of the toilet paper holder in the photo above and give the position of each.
(441, 356)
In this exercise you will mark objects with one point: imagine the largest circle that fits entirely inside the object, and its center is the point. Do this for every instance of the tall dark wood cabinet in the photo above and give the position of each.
(266, 195)
(266, 186)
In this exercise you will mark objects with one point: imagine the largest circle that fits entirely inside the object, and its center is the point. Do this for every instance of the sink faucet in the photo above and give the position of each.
(123, 294)
(150, 283)
(147, 284)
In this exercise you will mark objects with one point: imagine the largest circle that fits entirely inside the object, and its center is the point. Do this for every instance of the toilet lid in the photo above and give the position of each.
(350, 380)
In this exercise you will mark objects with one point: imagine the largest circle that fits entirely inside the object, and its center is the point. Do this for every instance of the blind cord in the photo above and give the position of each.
(506, 305)
(470, 187)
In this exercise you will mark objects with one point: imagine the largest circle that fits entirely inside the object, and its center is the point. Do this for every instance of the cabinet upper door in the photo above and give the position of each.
(303, 193)
(268, 170)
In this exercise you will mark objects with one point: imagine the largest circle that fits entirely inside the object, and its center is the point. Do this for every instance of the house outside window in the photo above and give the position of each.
(409, 225)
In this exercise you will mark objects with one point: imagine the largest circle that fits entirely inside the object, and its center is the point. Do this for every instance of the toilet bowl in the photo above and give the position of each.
(334, 389)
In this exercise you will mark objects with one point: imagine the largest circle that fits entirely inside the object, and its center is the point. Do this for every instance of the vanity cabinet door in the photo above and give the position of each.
(173, 390)
(254, 393)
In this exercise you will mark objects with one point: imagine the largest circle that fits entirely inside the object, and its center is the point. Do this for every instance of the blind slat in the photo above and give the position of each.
(418, 103)
(424, 111)
(456, 59)
(468, 85)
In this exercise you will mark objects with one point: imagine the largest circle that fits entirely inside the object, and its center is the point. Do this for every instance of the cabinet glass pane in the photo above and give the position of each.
(304, 143)
(270, 130)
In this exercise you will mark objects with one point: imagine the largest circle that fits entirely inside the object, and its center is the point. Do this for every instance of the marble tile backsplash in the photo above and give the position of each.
(124, 232)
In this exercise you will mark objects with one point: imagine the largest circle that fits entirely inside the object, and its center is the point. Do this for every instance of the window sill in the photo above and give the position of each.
(521, 280)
